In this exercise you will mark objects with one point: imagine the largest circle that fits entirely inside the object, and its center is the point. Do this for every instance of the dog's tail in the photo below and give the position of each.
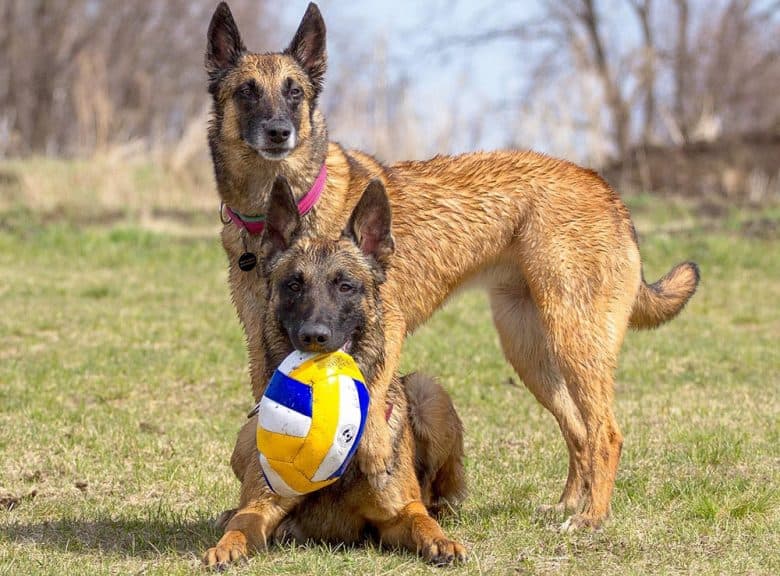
(438, 439)
(661, 301)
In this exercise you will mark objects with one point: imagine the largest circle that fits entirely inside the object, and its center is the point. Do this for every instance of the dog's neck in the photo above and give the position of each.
(246, 184)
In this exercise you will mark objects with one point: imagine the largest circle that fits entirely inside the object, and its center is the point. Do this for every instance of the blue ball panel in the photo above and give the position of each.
(290, 393)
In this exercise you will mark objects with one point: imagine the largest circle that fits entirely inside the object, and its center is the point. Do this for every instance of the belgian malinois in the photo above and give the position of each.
(551, 242)
(324, 296)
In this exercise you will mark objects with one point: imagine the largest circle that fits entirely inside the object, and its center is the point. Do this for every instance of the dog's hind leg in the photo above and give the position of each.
(245, 450)
(585, 329)
(524, 344)
(590, 383)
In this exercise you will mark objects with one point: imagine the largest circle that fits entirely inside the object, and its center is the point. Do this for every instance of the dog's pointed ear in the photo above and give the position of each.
(224, 46)
(370, 226)
(308, 46)
(282, 219)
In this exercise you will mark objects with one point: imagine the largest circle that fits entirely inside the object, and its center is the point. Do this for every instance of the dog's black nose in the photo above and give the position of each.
(314, 335)
(278, 131)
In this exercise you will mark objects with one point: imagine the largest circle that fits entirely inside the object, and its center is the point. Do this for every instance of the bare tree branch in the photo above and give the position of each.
(643, 9)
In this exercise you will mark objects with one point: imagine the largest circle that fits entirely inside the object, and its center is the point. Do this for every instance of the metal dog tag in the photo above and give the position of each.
(247, 261)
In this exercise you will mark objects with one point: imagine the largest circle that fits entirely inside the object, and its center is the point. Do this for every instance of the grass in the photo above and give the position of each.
(123, 382)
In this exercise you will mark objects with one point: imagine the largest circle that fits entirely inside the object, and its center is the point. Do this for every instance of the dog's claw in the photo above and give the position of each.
(231, 548)
(221, 521)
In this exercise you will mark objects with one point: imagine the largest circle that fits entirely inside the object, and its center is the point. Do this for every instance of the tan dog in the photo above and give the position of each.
(324, 296)
(551, 243)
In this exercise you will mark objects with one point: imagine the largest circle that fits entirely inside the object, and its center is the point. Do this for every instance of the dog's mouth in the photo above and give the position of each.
(351, 343)
(275, 153)
(347, 346)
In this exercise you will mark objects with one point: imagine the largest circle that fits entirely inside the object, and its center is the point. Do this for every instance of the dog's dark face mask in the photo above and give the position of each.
(321, 298)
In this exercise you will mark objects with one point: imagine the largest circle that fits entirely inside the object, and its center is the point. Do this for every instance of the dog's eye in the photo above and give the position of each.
(295, 92)
(345, 287)
(294, 286)
(247, 92)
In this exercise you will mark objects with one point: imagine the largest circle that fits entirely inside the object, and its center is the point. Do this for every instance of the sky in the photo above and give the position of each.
(410, 30)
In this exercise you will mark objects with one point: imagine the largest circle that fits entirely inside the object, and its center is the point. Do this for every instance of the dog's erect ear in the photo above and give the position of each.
(308, 46)
(370, 224)
(282, 220)
(224, 46)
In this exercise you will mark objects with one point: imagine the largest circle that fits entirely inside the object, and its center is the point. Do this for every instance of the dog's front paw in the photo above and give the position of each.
(443, 552)
(230, 548)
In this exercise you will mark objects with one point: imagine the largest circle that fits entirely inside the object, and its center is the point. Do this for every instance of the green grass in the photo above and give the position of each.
(123, 382)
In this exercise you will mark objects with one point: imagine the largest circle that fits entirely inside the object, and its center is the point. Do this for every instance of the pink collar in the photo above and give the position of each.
(255, 224)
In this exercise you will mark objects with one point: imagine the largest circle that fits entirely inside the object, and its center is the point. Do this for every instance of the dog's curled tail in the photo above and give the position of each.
(661, 301)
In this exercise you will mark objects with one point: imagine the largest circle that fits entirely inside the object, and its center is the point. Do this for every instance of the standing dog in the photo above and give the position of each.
(323, 296)
(551, 243)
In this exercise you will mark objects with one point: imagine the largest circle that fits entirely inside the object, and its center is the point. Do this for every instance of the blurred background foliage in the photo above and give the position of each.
(664, 96)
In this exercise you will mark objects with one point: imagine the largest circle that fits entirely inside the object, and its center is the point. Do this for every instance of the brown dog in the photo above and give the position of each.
(551, 243)
(324, 296)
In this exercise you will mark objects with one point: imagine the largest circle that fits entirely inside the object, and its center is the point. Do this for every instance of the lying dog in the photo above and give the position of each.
(323, 296)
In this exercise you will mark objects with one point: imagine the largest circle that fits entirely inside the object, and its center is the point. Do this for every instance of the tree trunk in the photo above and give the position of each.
(617, 104)
(681, 69)
(643, 10)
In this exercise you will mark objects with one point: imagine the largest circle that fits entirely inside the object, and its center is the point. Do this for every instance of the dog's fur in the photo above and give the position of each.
(551, 243)
(331, 287)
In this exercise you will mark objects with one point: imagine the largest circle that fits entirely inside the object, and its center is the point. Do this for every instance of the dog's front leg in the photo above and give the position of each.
(249, 530)
(414, 529)
(254, 522)
(375, 452)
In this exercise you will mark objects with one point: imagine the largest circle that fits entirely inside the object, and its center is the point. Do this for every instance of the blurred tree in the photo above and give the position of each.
(666, 71)
(79, 75)
(82, 75)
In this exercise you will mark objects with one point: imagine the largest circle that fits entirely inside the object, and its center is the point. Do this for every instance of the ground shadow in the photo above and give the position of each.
(139, 537)
(149, 537)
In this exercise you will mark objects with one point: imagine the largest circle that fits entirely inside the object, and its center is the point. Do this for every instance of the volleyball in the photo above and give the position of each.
(310, 420)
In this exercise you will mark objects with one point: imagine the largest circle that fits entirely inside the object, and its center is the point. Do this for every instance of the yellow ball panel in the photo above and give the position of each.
(279, 447)
(325, 419)
(324, 366)
(295, 479)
